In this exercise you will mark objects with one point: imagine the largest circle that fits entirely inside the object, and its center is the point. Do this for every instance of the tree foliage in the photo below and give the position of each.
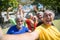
(51, 4)
(5, 4)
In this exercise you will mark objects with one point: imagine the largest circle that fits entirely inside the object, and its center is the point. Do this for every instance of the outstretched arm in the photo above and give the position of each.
(26, 36)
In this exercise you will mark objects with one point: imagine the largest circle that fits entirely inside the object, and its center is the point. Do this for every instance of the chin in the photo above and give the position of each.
(48, 23)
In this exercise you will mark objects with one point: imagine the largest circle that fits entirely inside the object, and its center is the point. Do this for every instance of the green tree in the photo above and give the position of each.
(5, 4)
(50, 4)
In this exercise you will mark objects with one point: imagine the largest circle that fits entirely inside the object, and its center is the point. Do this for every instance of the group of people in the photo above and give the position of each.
(36, 27)
(20, 23)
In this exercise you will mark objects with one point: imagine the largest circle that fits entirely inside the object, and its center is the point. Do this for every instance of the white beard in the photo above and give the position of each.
(20, 26)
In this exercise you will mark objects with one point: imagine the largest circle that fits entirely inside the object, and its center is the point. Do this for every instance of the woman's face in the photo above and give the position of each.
(48, 17)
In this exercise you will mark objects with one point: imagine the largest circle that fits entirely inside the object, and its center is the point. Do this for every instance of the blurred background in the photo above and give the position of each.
(12, 6)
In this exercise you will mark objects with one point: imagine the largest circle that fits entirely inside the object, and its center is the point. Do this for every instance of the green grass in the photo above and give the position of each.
(55, 22)
(5, 30)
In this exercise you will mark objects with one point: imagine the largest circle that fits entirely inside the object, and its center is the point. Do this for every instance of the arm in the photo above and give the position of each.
(26, 36)
(35, 34)
(8, 16)
(8, 12)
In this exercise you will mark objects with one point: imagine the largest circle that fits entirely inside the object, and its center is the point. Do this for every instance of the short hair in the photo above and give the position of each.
(30, 14)
(41, 13)
(52, 12)
(19, 17)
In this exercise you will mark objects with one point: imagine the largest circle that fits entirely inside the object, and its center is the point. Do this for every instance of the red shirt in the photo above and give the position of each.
(28, 21)
(28, 24)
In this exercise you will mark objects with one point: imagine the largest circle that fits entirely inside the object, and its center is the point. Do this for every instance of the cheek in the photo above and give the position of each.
(52, 18)
(44, 19)
(21, 23)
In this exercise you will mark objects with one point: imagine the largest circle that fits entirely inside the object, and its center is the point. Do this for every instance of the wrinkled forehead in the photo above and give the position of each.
(49, 13)
(19, 19)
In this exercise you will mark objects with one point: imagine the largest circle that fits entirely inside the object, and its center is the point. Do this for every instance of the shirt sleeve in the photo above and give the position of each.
(12, 21)
(10, 31)
(27, 30)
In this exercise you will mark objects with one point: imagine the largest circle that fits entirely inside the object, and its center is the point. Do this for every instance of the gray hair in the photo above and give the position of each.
(19, 17)
(29, 15)
(41, 13)
(50, 12)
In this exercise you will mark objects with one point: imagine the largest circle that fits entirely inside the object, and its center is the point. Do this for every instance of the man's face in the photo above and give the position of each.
(19, 22)
(48, 17)
(40, 16)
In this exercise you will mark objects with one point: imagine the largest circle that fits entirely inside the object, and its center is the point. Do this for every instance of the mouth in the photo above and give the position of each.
(48, 21)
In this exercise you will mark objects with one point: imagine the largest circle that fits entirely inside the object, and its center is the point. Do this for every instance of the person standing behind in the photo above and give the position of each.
(40, 18)
(29, 21)
(20, 11)
(9, 18)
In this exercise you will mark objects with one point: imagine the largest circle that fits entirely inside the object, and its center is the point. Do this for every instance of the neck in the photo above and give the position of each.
(47, 25)
(18, 27)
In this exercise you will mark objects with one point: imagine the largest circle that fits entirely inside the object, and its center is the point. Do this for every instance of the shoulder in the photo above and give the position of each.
(27, 20)
(13, 26)
(24, 26)
(39, 28)
(39, 23)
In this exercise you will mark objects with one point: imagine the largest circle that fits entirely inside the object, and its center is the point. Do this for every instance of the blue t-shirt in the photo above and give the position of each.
(14, 30)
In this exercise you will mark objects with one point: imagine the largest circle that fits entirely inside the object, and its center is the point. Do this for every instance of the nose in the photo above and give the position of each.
(48, 16)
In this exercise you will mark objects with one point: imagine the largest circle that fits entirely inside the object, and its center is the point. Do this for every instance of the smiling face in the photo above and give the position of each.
(19, 22)
(40, 16)
(48, 17)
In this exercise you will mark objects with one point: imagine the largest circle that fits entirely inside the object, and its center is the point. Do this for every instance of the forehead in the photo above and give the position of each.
(19, 19)
(48, 12)
(40, 14)
(20, 5)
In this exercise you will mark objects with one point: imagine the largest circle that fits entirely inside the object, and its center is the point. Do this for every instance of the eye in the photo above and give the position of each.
(21, 21)
(45, 15)
(50, 14)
